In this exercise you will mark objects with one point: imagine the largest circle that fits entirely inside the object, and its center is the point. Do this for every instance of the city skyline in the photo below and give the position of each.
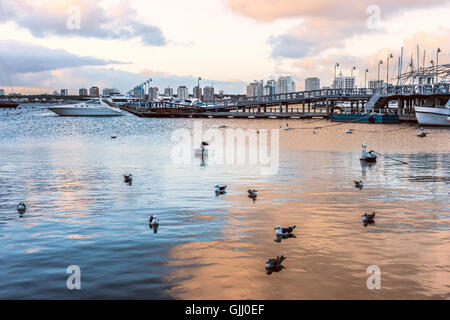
(120, 43)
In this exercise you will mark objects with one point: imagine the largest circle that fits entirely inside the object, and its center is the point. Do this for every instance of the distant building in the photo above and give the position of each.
(2, 92)
(284, 85)
(197, 93)
(312, 84)
(83, 92)
(55, 93)
(208, 94)
(255, 89)
(269, 88)
(153, 93)
(94, 92)
(168, 92)
(342, 82)
(64, 92)
(182, 92)
(375, 84)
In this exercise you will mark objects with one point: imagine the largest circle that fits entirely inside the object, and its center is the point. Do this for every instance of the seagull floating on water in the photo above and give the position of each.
(252, 194)
(287, 127)
(359, 184)
(220, 189)
(349, 131)
(113, 137)
(421, 133)
(284, 231)
(275, 264)
(368, 218)
(154, 221)
(128, 178)
(21, 207)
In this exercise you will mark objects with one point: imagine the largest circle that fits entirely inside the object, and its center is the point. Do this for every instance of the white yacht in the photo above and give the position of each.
(432, 115)
(93, 108)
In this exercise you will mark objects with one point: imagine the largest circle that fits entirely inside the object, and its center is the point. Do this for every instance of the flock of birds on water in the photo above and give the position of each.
(274, 264)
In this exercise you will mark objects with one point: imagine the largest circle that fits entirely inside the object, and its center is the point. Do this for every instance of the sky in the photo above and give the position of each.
(48, 45)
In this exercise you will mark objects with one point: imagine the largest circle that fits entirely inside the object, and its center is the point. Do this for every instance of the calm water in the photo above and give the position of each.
(69, 172)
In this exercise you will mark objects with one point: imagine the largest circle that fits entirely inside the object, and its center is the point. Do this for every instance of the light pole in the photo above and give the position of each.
(437, 63)
(335, 67)
(353, 68)
(387, 69)
(365, 78)
(432, 64)
(379, 64)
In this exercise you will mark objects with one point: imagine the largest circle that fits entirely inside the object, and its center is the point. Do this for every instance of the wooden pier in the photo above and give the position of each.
(304, 104)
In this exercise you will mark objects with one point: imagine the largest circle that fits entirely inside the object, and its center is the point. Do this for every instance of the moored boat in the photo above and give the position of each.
(91, 108)
(432, 115)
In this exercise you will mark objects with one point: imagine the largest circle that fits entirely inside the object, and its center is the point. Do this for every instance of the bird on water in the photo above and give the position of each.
(21, 208)
(220, 189)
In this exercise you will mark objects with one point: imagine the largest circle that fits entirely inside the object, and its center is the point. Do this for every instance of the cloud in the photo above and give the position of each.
(269, 10)
(87, 76)
(325, 24)
(20, 57)
(85, 18)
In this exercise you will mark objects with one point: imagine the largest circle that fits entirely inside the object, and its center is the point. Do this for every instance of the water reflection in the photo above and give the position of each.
(79, 211)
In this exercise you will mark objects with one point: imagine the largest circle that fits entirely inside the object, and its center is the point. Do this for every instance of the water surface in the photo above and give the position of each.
(69, 172)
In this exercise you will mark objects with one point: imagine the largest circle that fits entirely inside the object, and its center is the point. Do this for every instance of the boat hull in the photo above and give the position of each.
(365, 118)
(433, 116)
(84, 112)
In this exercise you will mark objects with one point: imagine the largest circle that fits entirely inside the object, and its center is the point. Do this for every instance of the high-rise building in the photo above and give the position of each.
(168, 92)
(342, 82)
(208, 94)
(284, 85)
(312, 84)
(55, 93)
(94, 92)
(197, 92)
(2, 92)
(153, 93)
(64, 92)
(83, 92)
(375, 84)
(182, 92)
(105, 91)
(255, 89)
(269, 88)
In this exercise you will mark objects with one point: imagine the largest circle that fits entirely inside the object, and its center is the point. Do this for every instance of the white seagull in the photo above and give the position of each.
(284, 231)
(154, 221)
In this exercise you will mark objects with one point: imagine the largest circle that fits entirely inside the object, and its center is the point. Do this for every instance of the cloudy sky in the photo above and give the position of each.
(47, 45)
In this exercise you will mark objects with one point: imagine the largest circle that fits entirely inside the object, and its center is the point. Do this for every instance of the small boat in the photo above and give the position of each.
(8, 105)
(367, 156)
(92, 108)
(431, 115)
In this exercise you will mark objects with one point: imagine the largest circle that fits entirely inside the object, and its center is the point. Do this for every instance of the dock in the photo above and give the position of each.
(324, 103)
